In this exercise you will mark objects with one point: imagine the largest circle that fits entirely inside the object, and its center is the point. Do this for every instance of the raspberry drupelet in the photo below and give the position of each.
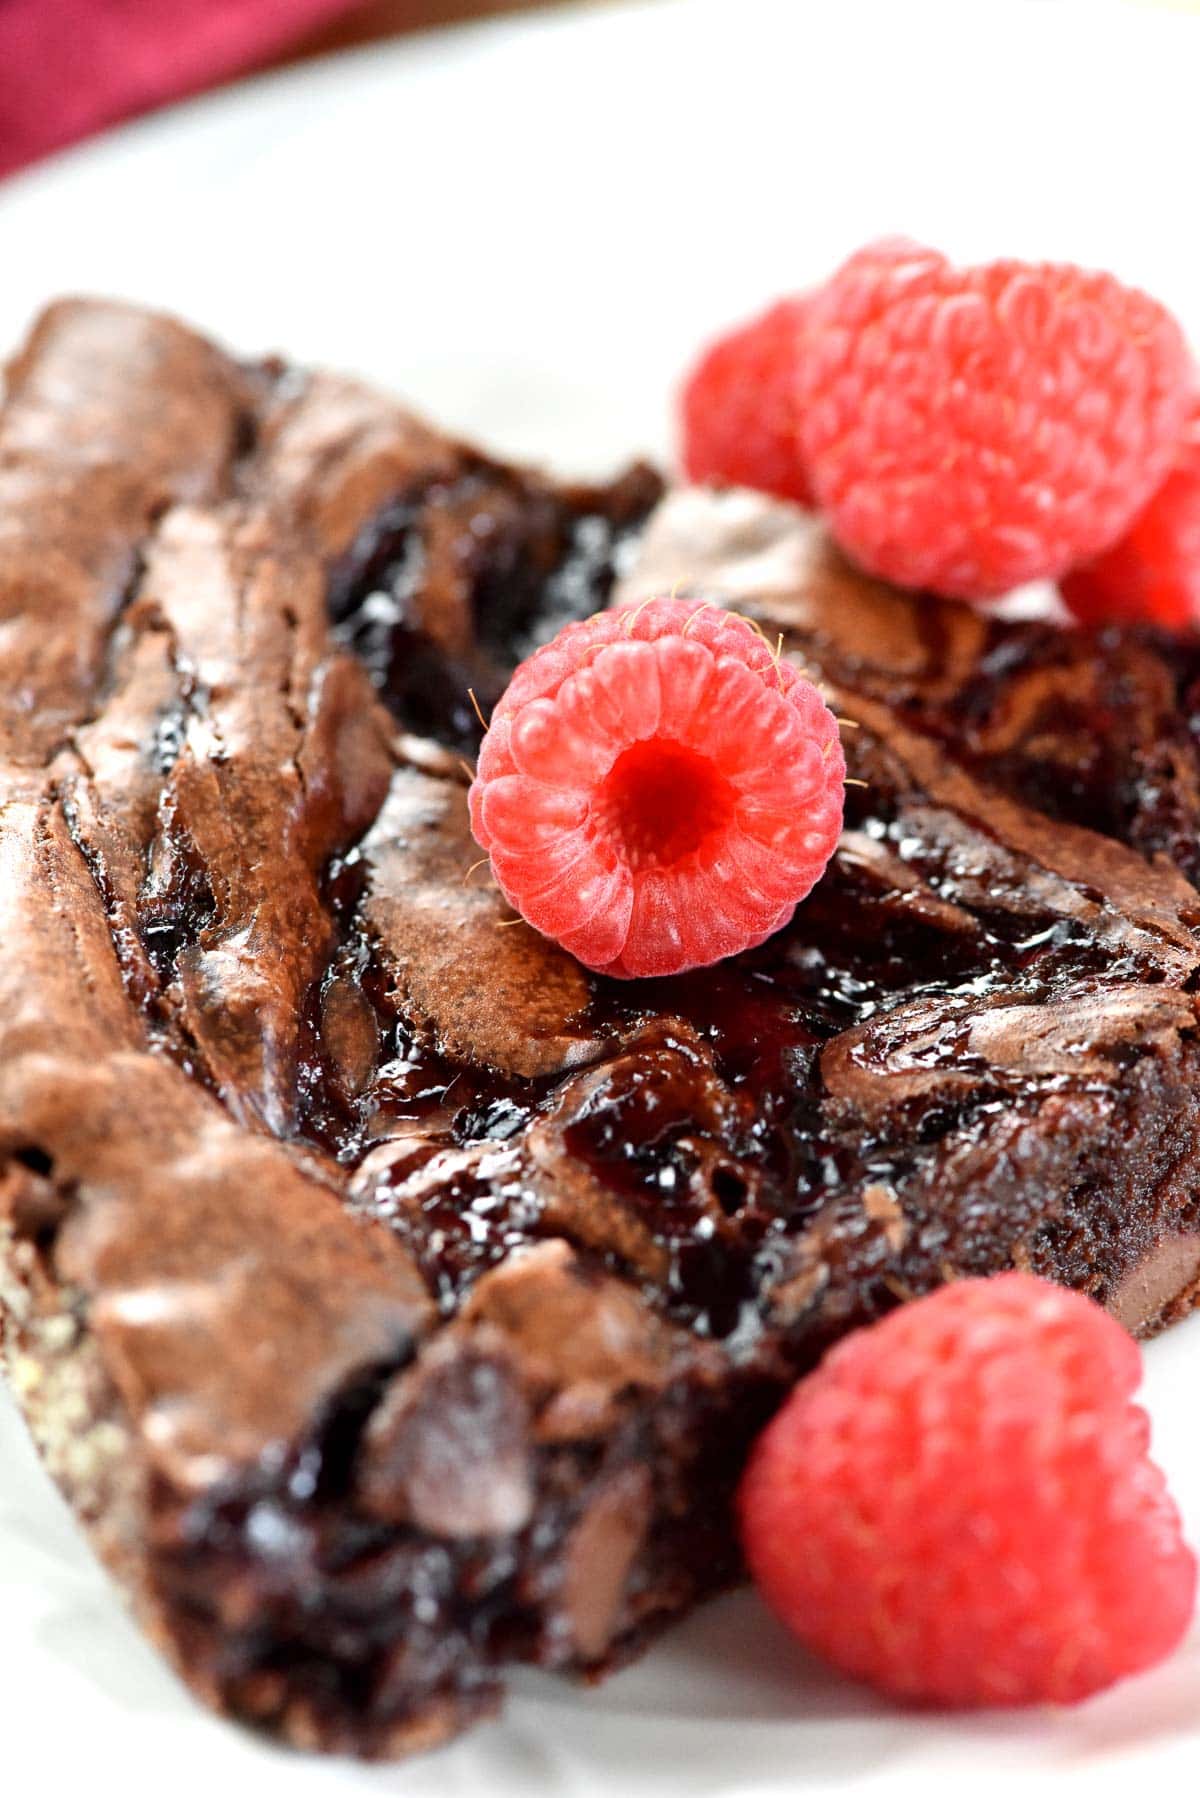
(657, 790)
(958, 1505)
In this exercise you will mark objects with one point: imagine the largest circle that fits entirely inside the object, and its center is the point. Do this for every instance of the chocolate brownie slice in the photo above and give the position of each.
(394, 1300)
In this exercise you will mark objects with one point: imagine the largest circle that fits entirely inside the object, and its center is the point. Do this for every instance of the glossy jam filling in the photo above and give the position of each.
(707, 1122)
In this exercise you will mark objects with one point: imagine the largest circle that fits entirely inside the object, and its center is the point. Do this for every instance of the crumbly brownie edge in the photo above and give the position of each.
(93, 1107)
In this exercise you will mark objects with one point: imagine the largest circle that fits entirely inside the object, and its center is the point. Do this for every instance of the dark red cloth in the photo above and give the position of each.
(70, 67)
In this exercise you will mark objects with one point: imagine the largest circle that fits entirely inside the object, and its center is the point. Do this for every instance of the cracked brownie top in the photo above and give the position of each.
(401, 1278)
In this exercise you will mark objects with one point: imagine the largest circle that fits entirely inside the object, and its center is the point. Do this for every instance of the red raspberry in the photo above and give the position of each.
(1152, 575)
(656, 790)
(968, 430)
(738, 417)
(958, 1505)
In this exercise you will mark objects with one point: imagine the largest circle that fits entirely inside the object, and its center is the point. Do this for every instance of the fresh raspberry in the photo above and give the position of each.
(1152, 575)
(738, 417)
(958, 1505)
(970, 429)
(656, 790)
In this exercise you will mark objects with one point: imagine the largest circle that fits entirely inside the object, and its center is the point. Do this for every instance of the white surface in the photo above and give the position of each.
(526, 229)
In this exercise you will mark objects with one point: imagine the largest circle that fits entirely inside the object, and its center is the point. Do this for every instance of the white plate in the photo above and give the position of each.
(526, 228)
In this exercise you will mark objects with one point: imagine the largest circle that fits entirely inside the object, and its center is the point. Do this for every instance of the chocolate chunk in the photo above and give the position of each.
(447, 1449)
(582, 1338)
(1160, 1288)
(349, 1034)
(600, 1552)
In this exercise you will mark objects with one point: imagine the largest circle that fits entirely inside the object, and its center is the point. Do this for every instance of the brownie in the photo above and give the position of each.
(394, 1300)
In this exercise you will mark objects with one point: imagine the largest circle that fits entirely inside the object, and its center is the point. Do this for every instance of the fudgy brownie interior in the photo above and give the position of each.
(394, 1299)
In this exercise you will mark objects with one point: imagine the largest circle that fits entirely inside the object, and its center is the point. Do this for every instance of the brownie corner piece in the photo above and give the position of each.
(394, 1300)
